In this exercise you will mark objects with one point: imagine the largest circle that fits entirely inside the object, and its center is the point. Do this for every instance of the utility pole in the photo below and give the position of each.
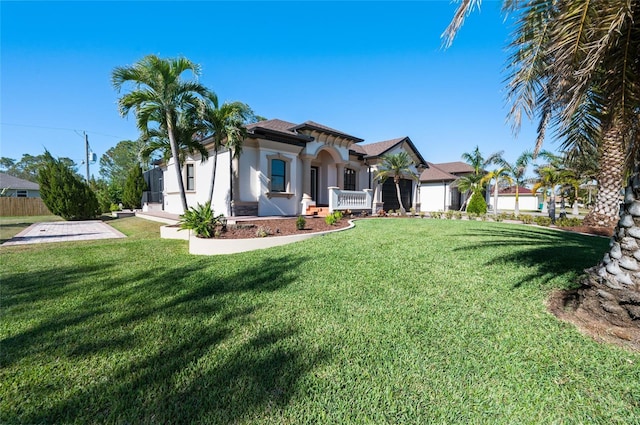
(86, 152)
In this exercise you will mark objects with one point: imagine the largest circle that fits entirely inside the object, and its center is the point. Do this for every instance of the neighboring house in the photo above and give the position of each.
(527, 200)
(18, 188)
(438, 191)
(287, 169)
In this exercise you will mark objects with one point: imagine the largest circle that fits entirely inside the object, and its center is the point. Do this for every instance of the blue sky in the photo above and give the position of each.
(375, 70)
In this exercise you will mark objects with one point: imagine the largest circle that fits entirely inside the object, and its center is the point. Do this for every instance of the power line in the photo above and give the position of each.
(62, 129)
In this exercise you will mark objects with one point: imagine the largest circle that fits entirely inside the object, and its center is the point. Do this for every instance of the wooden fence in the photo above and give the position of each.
(12, 207)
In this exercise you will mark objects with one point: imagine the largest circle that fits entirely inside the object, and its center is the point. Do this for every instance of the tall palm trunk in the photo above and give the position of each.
(230, 182)
(552, 206)
(213, 175)
(176, 162)
(607, 205)
(396, 180)
(495, 199)
(517, 206)
(612, 288)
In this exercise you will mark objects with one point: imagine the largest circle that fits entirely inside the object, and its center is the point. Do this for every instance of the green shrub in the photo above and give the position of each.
(301, 222)
(330, 219)
(64, 193)
(133, 188)
(436, 214)
(114, 207)
(421, 214)
(569, 222)
(202, 220)
(477, 204)
(542, 221)
(448, 214)
(527, 218)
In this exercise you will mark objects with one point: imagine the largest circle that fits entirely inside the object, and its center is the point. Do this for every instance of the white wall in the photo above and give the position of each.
(434, 196)
(525, 202)
(275, 204)
(203, 173)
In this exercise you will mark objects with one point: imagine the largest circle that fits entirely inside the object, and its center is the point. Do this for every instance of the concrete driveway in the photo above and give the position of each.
(64, 231)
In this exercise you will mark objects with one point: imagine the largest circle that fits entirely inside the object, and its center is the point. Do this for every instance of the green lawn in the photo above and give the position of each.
(395, 321)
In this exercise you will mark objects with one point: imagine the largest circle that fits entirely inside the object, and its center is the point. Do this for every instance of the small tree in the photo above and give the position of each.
(64, 193)
(477, 204)
(133, 188)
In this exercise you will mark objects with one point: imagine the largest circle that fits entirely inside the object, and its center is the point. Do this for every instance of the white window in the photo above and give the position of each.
(190, 174)
(279, 175)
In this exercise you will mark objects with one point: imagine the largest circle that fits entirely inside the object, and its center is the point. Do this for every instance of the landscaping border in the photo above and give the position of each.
(216, 246)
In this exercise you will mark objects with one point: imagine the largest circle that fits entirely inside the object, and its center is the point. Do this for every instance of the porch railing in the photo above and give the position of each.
(349, 199)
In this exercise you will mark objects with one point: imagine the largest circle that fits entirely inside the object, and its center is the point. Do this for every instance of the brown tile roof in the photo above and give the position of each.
(379, 148)
(275, 125)
(435, 173)
(315, 126)
(359, 149)
(456, 167)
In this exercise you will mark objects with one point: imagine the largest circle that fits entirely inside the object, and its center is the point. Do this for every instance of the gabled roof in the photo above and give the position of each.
(380, 148)
(278, 130)
(435, 173)
(373, 150)
(275, 125)
(10, 182)
(456, 167)
(311, 125)
(446, 171)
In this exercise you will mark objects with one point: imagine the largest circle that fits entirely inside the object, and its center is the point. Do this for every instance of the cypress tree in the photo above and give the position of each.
(64, 193)
(133, 188)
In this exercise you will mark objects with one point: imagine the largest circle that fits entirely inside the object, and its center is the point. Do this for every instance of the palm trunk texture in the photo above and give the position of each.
(607, 205)
(176, 161)
(611, 289)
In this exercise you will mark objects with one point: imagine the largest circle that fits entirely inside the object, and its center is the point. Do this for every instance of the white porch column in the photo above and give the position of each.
(377, 197)
(340, 176)
(306, 175)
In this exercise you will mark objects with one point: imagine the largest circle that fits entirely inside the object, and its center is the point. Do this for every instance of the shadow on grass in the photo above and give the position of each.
(185, 348)
(549, 253)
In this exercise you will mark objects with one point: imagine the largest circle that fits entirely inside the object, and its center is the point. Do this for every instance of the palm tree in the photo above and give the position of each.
(499, 175)
(160, 95)
(396, 166)
(575, 64)
(188, 132)
(225, 124)
(516, 173)
(474, 182)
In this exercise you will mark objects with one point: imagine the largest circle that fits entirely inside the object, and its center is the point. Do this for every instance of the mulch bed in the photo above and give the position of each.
(279, 227)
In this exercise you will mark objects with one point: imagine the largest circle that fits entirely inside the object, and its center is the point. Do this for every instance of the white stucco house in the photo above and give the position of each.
(18, 188)
(287, 169)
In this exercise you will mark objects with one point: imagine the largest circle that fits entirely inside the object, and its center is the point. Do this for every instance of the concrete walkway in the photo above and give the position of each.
(64, 231)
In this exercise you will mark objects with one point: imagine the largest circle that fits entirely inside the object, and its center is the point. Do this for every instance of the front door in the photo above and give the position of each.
(314, 184)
